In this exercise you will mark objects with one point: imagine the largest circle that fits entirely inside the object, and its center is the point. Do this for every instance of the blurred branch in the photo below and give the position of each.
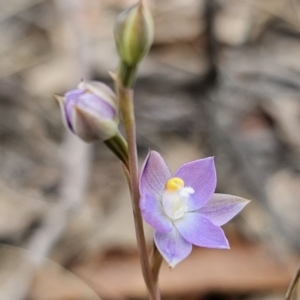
(295, 5)
(8, 11)
(274, 13)
(75, 157)
(221, 140)
(293, 285)
(211, 43)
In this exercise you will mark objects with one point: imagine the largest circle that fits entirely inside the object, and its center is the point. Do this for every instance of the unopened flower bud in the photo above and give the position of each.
(134, 32)
(90, 111)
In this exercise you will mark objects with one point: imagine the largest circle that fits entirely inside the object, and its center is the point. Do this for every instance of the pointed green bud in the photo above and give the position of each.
(134, 31)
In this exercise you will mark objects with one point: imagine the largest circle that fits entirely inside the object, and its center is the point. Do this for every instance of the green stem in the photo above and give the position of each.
(118, 146)
(293, 285)
(127, 75)
(127, 111)
(156, 261)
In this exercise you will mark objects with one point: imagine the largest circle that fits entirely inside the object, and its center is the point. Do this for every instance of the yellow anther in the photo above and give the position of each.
(174, 184)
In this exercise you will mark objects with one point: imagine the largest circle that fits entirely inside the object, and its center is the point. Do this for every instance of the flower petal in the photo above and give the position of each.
(90, 127)
(200, 231)
(172, 246)
(154, 175)
(97, 106)
(201, 176)
(101, 90)
(74, 94)
(153, 213)
(71, 98)
(221, 208)
(61, 102)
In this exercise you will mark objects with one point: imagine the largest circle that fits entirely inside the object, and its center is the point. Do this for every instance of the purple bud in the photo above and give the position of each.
(90, 111)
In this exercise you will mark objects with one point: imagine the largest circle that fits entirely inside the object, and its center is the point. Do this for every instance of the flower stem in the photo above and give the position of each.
(118, 146)
(127, 75)
(127, 110)
(156, 261)
(293, 285)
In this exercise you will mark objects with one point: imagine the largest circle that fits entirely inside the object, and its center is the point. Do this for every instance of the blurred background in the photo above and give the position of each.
(222, 79)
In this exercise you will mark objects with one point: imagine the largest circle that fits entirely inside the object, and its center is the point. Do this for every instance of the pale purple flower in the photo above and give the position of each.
(90, 111)
(183, 208)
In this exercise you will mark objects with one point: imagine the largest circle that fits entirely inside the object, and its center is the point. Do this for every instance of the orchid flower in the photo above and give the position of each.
(183, 209)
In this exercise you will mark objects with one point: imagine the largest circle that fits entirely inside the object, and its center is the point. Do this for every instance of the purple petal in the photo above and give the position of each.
(71, 98)
(154, 175)
(61, 102)
(153, 213)
(201, 176)
(101, 90)
(97, 106)
(172, 246)
(200, 231)
(90, 127)
(221, 208)
(74, 93)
